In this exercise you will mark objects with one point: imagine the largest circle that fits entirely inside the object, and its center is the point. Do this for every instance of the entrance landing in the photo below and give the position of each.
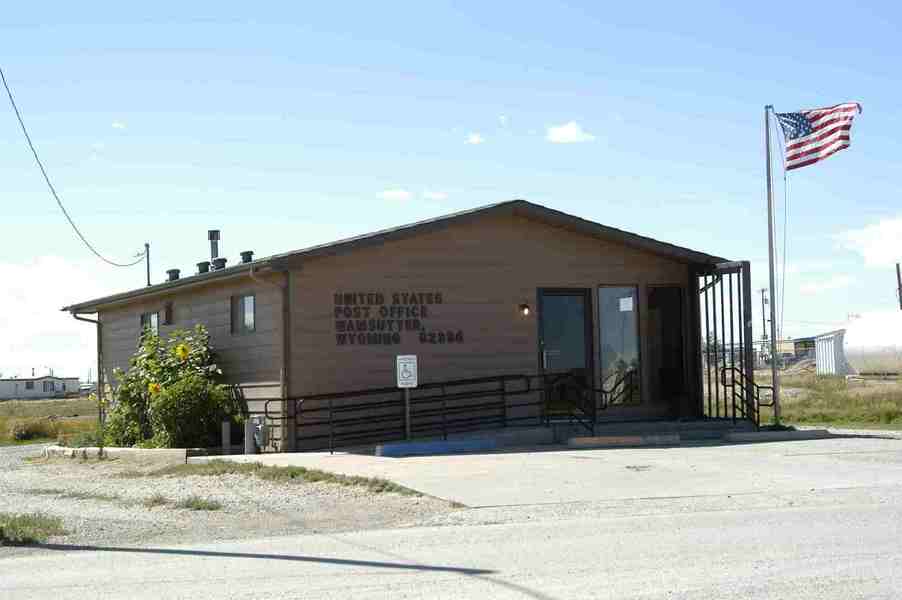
(542, 475)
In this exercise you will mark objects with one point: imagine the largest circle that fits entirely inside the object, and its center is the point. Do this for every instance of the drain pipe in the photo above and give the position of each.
(100, 383)
(287, 428)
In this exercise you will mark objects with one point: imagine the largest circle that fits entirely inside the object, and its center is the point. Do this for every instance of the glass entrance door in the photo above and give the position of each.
(618, 334)
(565, 347)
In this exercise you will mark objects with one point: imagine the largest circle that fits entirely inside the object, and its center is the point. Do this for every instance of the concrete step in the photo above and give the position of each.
(477, 441)
(624, 441)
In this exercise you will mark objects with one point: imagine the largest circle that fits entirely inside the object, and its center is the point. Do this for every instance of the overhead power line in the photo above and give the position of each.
(139, 256)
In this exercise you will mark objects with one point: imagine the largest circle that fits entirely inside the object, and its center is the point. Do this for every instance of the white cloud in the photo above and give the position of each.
(395, 195)
(837, 282)
(879, 244)
(437, 196)
(475, 138)
(118, 125)
(36, 334)
(502, 120)
(568, 133)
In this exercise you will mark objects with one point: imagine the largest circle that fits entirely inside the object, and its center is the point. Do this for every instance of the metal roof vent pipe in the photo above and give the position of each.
(213, 236)
(247, 256)
(203, 267)
(173, 274)
(219, 264)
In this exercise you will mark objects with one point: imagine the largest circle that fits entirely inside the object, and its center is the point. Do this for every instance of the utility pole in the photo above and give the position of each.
(899, 284)
(147, 260)
(772, 268)
(763, 314)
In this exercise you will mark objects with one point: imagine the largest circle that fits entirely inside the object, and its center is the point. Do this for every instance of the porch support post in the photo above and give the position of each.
(748, 353)
(696, 343)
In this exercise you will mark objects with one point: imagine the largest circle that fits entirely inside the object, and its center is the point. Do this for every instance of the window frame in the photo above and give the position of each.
(29, 385)
(150, 317)
(238, 309)
(168, 313)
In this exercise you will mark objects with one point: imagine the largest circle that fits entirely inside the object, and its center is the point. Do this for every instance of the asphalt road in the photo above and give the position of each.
(839, 544)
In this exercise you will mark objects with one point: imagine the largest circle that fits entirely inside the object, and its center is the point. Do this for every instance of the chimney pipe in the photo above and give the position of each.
(219, 263)
(247, 256)
(213, 236)
(203, 267)
(173, 274)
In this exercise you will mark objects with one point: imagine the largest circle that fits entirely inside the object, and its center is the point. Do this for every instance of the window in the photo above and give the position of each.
(168, 314)
(244, 317)
(150, 321)
(48, 386)
(29, 385)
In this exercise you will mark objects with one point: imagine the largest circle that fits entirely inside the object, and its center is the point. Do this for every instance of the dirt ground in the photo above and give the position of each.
(109, 502)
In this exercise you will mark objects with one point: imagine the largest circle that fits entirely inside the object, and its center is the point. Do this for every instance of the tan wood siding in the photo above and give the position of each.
(244, 358)
(484, 270)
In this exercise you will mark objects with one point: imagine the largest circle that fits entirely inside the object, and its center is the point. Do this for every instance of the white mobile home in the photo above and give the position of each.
(38, 387)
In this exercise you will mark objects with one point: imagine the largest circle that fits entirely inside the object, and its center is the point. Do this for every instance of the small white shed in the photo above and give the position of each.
(829, 354)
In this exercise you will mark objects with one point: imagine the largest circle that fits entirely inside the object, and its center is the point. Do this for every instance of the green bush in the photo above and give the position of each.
(189, 412)
(169, 397)
(30, 429)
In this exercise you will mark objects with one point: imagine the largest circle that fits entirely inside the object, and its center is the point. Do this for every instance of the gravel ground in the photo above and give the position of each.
(251, 507)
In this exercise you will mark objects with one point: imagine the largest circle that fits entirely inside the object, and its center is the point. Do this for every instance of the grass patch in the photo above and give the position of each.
(156, 500)
(45, 420)
(76, 407)
(198, 503)
(31, 528)
(36, 430)
(835, 401)
(73, 494)
(284, 474)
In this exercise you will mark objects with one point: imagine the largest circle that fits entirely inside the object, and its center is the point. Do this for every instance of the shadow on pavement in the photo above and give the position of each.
(288, 557)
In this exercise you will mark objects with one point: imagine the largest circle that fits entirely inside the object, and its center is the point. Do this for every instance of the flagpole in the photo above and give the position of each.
(771, 266)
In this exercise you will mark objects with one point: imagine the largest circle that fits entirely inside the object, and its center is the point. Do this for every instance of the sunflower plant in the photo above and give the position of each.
(170, 395)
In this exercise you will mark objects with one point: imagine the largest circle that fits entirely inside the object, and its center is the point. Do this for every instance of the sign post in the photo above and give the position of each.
(406, 367)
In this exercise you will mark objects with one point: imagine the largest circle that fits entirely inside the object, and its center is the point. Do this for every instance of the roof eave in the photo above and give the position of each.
(93, 306)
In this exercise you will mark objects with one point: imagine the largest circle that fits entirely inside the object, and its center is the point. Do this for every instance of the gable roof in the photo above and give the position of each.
(281, 262)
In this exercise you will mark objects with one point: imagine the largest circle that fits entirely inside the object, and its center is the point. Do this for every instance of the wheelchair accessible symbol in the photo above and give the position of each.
(406, 370)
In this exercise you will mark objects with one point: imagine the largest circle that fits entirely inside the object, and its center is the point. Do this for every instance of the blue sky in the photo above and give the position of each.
(292, 125)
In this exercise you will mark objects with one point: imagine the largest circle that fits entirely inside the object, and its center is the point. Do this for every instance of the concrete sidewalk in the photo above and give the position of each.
(552, 474)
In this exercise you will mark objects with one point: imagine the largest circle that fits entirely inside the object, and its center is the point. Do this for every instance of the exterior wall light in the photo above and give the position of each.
(524, 310)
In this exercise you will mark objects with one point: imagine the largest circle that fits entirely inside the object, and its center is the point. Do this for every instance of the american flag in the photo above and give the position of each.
(813, 135)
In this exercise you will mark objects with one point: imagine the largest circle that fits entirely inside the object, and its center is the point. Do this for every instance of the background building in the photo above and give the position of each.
(47, 386)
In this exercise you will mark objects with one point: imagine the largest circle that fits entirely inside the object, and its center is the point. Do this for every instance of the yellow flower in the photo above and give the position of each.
(181, 351)
(154, 389)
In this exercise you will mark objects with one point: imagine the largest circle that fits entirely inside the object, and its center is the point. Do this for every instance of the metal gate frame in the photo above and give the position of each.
(727, 287)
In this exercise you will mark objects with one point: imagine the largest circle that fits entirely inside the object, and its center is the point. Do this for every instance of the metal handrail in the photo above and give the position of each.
(363, 416)
(438, 408)
(620, 385)
(743, 382)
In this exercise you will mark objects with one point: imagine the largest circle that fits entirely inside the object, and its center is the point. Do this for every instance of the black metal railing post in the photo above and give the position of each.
(504, 402)
(444, 414)
(331, 429)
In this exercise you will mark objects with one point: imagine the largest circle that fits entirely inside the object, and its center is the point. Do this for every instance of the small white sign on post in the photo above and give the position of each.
(407, 370)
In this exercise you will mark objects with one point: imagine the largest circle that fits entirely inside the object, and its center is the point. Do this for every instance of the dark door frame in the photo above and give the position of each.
(588, 317)
(684, 349)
